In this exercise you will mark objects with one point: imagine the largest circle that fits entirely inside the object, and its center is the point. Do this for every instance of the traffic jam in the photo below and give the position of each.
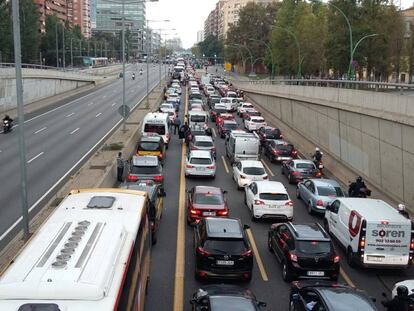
(252, 200)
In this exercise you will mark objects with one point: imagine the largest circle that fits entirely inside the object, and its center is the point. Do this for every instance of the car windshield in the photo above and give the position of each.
(149, 146)
(330, 192)
(346, 300)
(146, 170)
(254, 170)
(254, 113)
(308, 166)
(220, 110)
(215, 100)
(155, 128)
(204, 144)
(314, 247)
(208, 199)
(257, 120)
(202, 161)
(228, 246)
(274, 196)
(229, 303)
(230, 126)
(197, 118)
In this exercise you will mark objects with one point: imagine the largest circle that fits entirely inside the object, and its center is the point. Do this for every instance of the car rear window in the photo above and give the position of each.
(253, 170)
(208, 199)
(198, 118)
(155, 128)
(258, 120)
(229, 303)
(285, 147)
(148, 146)
(146, 170)
(220, 110)
(330, 192)
(202, 161)
(308, 166)
(314, 247)
(204, 144)
(345, 300)
(274, 196)
(228, 246)
(230, 126)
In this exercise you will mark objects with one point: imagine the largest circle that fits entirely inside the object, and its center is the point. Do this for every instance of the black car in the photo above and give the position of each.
(297, 170)
(304, 251)
(225, 297)
(268, 132)
(155, 202)
(279, 150)
(328, 296)
(222, 249)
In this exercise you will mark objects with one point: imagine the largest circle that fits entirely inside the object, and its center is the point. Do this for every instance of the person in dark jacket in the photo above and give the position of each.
(401, 302)
(120, 165)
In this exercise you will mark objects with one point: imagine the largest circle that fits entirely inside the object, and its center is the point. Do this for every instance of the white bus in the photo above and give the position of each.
(93, 253)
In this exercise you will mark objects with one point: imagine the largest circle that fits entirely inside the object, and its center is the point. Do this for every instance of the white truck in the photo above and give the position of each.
(373, 233)
(242, 146)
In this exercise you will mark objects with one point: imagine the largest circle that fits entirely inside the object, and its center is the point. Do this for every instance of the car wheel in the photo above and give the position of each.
(286, 274)
(154, 239)
(298, 193)
(245, 199)
(326, 226)
(309, 207)
(269, 244)
(291, 306)
(290, 179)
(350, 257)
(249, 277)
(196, 275)
(254, 219)
(282, 171)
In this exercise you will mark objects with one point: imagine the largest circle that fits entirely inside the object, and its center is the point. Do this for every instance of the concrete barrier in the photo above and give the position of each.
(372, 139)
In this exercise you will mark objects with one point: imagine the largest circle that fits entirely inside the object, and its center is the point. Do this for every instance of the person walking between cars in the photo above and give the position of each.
(120, 165)
(177, 123)
(184, 129)
(403, 210)
(401, 302)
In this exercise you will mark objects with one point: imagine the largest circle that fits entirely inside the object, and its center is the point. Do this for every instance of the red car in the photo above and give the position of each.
(204, 201)
(223, 116)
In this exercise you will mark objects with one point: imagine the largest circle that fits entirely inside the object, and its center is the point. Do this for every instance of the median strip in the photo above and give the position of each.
(267, 167)
(225, 164)
(346, 277)
(257, 255)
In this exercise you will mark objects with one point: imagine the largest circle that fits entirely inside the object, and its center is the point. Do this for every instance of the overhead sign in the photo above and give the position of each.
(124, 111)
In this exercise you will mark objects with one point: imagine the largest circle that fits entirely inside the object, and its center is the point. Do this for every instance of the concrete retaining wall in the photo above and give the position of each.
(378, 148)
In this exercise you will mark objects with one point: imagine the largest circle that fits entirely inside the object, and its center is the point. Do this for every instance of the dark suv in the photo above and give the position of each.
(222, 249)
(146, 168)
(279, 150)
(304, 251)
(327, 296)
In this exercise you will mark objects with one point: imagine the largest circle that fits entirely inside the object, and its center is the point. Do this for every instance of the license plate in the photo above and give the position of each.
(375, 258)
(225, 262)
(316, 273)
(209, 213)
(200, 169)
(274, 206)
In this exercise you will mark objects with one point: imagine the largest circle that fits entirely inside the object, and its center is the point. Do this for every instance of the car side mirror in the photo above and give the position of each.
(329, 207)
(262, 304)
(245, 227)
(224, 191)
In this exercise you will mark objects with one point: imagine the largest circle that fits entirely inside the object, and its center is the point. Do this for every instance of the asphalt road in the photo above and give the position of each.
(266, 283)
(56, 139)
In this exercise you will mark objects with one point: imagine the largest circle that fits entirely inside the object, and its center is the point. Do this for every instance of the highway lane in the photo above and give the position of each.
(267, 282)
(58, 138)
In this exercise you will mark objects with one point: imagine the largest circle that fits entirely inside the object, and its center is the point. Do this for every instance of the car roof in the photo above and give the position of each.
(155, 139)
(203, 138)
(311, 231)
(141, 186)
(145, 160)
(297, 161)
(227, 290)
(323, 182)
(200, 154)
(251, 163)
(270, 186)
(223, 228)
(207, 189)
(280, 142)
(257, 117)
(230, 122)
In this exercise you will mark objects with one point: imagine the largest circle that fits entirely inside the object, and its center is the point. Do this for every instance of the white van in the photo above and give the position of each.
(157, 122)
(230, 102)
(242, 146)
(197, 118)
(372, 232)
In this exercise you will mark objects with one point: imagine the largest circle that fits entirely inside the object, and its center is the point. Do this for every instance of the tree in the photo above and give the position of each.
(211, 47)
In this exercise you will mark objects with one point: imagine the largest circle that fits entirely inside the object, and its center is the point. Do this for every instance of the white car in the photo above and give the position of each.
(177, 88)
(242, 108)
(268, 199)
(200, 163)
(165, 107)
(253, 123)
(175, 96)
(245, 172)
(407, 283)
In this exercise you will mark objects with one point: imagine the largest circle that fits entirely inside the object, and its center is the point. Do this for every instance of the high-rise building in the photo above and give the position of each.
(45, 7)
(109, 19)
(79, 13)
(174, 44)
(200, 36)
(212, 22)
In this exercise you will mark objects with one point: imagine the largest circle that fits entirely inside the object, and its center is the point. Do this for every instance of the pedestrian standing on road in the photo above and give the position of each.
(120, 165)
(177, 123)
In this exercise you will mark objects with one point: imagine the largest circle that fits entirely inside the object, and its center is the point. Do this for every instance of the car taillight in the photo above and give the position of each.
(336, 259)
(295, 173)
(211, 167)
(258, 202)
(224, 212)
(247, 253)
(289, 203)
(202, 252)
(132, 178)
(160, 155)
(265, 177)
(412, 244)
(274, 151)
(362, 242)
(159, 178)
(194, 211)
(293, 257)
(189, 166)
(194, 148)
(294, 153)
(319, 203)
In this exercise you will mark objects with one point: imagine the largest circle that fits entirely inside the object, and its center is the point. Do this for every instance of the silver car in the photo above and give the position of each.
(318, 193)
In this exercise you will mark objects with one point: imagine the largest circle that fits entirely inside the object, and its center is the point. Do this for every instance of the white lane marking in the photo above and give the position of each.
(41, 130)
(104, 96)
(98, 114)
(90, 104)
(35, 157)
(113, 104)
(70, 114)
(74, 131)
(52, 188)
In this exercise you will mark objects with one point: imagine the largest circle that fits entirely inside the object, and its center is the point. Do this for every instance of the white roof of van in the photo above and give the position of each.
(373, 209)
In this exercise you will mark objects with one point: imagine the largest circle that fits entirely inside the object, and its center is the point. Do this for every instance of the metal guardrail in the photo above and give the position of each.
(346, 84)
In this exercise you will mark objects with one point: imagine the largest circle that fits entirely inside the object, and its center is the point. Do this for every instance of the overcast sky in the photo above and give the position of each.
(188, 16)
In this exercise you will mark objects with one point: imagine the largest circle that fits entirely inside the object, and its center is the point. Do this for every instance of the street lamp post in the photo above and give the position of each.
(251, 58)
(241, 53)
(271, 56)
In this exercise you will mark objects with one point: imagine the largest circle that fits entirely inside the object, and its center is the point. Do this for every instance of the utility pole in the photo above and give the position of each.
(123, 65)
(20, 117)
(63, 46)
(71, 53)
(148, 56)
(57, 46)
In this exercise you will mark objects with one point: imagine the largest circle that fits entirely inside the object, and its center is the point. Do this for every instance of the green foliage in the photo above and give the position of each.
(211, 46)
